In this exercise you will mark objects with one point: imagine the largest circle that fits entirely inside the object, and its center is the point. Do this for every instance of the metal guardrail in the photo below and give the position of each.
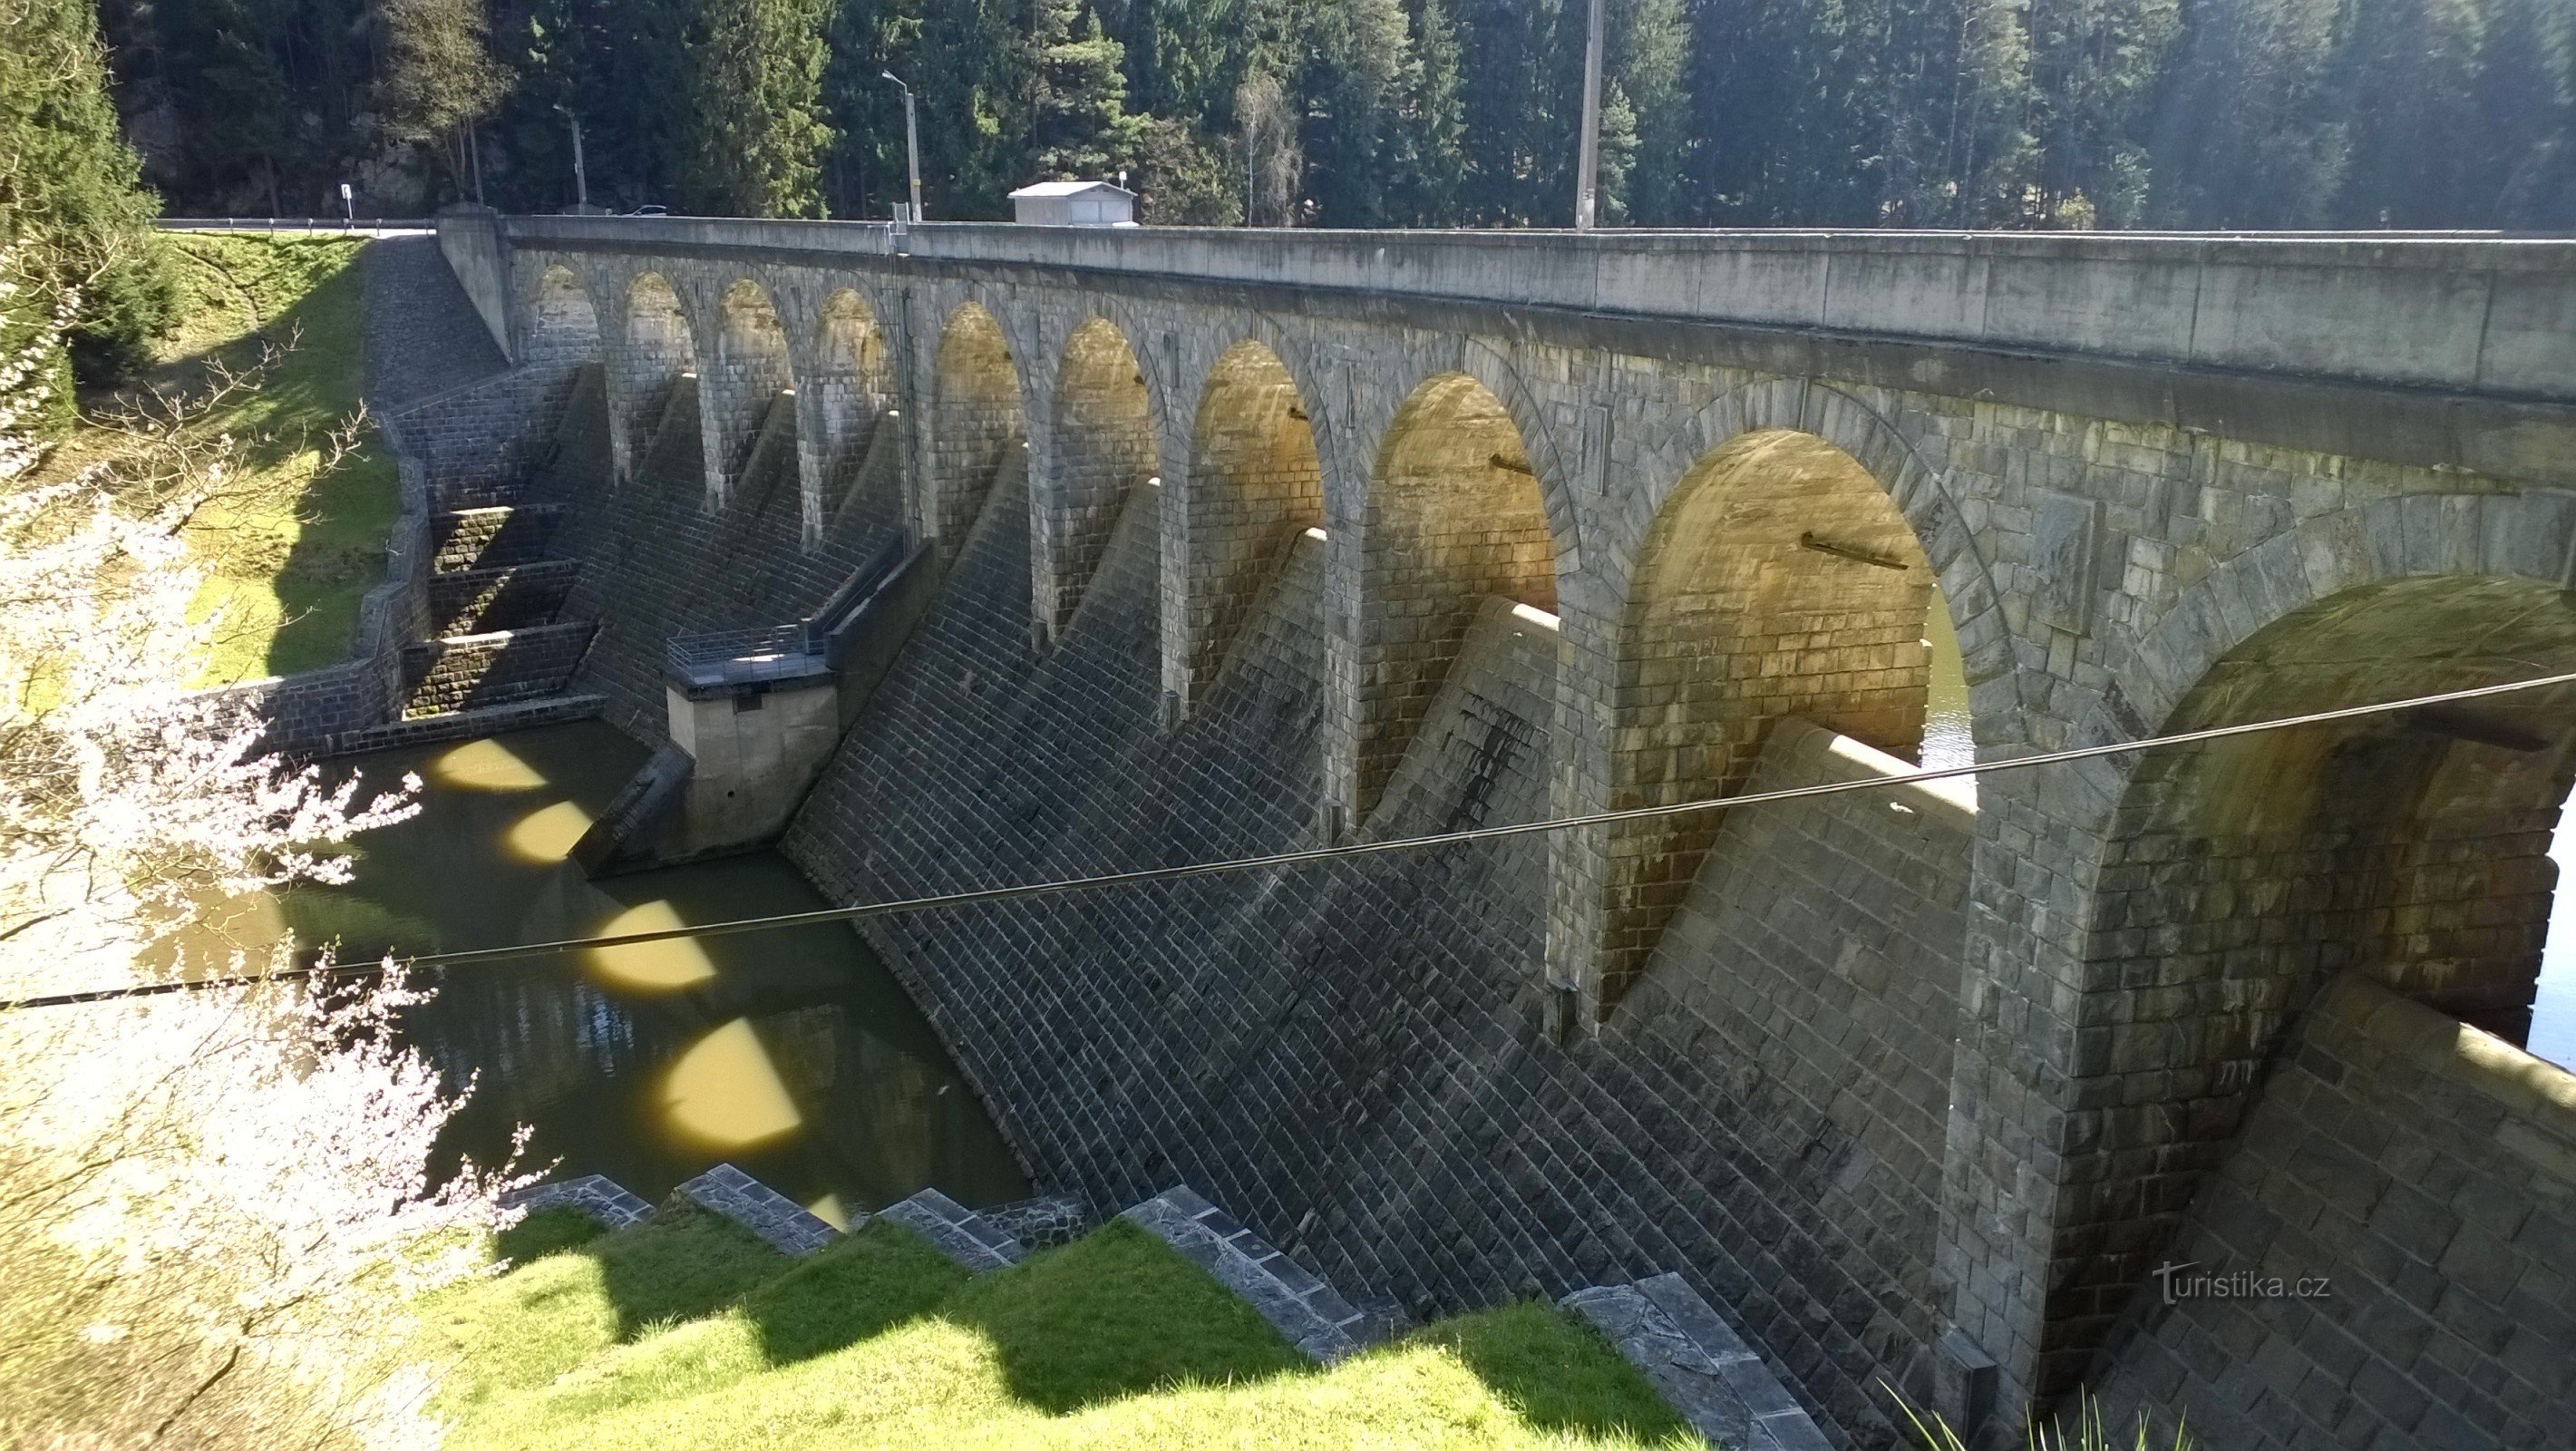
(300, 226)
(727, 656)
(779, 652)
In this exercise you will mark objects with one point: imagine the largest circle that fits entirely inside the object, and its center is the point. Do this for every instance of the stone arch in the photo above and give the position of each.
(2238, 876)
(1777, 580)
(1492, 366)
(852, 396)
(1255, 484)
(1454, 515)
(1921, 492)
(1101, 451)
(559, 327)
(977, 429)
(661, 350)
(750, 373)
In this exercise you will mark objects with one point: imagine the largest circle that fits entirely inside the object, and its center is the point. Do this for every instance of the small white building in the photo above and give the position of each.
(1074, 204)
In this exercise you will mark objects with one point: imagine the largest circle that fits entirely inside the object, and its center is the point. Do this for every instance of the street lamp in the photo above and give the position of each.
(1587, 159)
(580, 174)
(911, 142)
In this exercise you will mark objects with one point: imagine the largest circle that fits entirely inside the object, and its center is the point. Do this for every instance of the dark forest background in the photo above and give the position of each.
(2012, 113)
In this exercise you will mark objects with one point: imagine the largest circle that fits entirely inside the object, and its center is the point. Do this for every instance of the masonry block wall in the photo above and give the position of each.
(481, 670)
(1371, 1060)
(479, 442)
(1355, 1055)
(2388, 1259)
(1104, 452)
(848, 383)
(1459, 518)
(1256, 486)
(1813, 969)
(976, 424)
(1780, 580)
(741, 386)
(657, 560)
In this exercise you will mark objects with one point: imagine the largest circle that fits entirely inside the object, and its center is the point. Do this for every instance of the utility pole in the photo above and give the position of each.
(580, 173)
(1587, 164)
(911, 142)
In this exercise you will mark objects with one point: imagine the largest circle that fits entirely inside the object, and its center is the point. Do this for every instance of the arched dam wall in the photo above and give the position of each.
(1245, 545)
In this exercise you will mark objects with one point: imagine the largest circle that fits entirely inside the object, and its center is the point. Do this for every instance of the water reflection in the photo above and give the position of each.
(547, 835)
(649, 966)
(1946, 738)
(484, 765)
(725, 1092)
(792, 1053)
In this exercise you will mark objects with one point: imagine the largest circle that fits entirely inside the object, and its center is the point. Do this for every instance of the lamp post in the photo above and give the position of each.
(580, 174)
(1587, 165)
(911, 142)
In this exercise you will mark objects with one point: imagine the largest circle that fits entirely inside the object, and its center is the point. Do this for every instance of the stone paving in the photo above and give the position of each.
(422, 334)
(780, 1221)
(1042, 1222)
(1298, 1304)
(957, 1231)
(596, 1195)
(1699, 1365)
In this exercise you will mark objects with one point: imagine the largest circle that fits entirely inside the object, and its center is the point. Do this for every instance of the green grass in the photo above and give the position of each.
(686, 1334)
(290, 553)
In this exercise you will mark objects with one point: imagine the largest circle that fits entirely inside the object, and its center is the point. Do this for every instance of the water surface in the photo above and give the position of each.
(792, 1053)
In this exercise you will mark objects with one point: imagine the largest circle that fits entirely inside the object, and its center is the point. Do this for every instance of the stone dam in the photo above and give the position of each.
(974, 555)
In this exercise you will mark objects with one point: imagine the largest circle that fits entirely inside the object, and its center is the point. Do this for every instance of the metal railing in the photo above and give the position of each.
(300, 226)
(786, 651)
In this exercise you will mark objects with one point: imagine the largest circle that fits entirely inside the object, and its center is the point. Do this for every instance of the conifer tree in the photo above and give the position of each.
(1428, 156)
(1649, 45)
(2094, 64)
(2018, 113)
(756, 135)
(71, 203)
(1356, 52)
(1078, 124)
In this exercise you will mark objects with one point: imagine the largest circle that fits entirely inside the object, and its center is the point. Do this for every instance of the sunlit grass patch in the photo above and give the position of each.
(288, 548)
(546, 1317)
(1114, 1341)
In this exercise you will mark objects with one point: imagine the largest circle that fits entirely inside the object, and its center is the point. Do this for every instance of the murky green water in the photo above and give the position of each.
(791, 1053)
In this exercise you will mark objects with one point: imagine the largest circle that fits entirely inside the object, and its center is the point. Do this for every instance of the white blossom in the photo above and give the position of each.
(213, 1203)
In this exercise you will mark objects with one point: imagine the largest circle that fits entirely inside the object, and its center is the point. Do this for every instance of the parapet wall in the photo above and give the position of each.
(2478, 314)
(2389, 1256)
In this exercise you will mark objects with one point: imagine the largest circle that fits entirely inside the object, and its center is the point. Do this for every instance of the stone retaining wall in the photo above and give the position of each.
(2388, 1257)
(471, 671)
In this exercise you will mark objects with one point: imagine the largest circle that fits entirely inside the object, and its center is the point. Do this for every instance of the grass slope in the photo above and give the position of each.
(689, 1334)
(289, 553)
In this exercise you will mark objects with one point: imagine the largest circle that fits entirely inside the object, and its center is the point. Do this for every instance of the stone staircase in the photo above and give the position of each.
(1685, 1349)
(499, 646)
